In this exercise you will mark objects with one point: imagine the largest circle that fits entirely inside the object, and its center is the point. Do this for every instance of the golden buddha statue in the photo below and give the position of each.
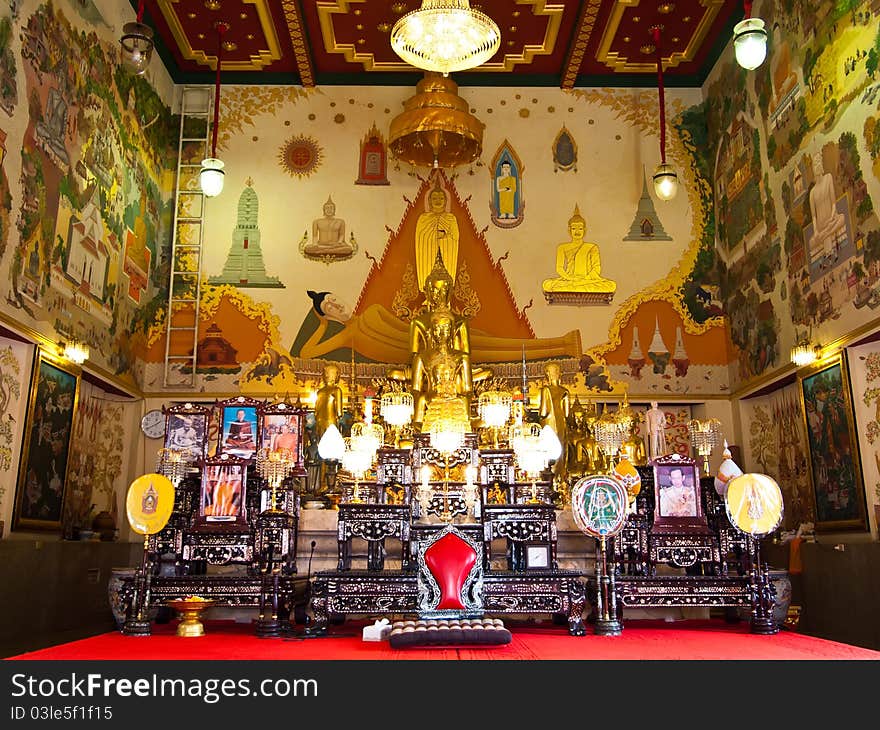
(584, 455)
(577, 263)
(634, 447)
(553, 407)
(445, 403)
(436, 233)
(439, 331)
(328, 402)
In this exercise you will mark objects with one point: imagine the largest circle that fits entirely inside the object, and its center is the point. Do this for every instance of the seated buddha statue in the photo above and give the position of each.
(444, 401)
(584, 455)
(577, 263)
(634, 447)
(328, 234)
(439, 331)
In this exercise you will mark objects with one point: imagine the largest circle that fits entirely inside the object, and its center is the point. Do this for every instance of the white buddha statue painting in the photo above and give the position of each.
(829, 225)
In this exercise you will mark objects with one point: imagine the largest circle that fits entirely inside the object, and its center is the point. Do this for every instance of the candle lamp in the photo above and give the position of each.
(705, 436)
(274, 465)
(494, 408)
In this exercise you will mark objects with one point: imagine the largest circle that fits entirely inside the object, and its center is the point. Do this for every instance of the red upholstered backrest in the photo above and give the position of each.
(450, 560)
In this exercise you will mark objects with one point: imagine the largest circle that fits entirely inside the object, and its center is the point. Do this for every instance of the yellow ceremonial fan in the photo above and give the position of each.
(630, 477)
(754, 504)
(149, 503)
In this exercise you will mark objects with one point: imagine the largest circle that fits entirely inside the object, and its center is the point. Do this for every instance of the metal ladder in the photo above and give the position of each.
(184, 286)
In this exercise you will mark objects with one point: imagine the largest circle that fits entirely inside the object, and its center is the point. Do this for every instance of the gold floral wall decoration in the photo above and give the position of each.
(300, 156)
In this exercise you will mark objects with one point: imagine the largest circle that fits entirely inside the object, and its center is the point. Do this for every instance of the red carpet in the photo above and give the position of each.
(640, 640)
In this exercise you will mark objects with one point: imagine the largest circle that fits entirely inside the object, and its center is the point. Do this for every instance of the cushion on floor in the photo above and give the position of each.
(447, 632)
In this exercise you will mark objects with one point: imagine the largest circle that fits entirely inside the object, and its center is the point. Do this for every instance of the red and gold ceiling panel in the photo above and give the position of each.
(356, 34)
(622, 40)
(345, 41)
(256, 39)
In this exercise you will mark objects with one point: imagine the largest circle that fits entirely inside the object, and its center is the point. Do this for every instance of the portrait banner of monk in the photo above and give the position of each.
(222, 492)
(835, 474)
(239, 431)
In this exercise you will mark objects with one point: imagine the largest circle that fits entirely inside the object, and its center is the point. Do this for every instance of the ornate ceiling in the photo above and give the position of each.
(563, 43)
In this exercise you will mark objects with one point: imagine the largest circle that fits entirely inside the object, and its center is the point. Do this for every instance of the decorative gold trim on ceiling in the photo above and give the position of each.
(298, 41)
(578, 49)
(619, 63)
(256, 63)
(539, 7)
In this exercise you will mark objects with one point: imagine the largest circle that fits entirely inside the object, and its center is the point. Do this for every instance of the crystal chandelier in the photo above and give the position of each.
(804, 353)
(396, 408)
(705, 435)
(357, 460)
(610, 433)
(534, 448)
(447, 434)
(445, 36)
(172, 464)
(274, 465)
(494, 408)
(368, 436)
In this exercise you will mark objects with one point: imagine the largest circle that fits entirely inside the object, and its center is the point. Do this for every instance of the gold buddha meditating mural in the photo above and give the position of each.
(578, 268)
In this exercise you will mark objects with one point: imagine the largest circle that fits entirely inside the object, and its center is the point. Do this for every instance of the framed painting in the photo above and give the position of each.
(223, 490)
(186, 429)
(238, 427)
(42, 474)
(829, 423)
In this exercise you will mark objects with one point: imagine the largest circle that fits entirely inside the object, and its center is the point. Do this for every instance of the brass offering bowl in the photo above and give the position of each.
(190, 610)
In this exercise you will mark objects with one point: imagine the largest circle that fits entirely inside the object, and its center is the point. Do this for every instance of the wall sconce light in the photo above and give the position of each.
(75, 351)
(665, 178)
(805, 353)
(211, 175)
(137, 44)
(750, 40)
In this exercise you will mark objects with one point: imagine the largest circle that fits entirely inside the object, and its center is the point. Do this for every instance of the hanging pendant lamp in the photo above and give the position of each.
(137, 44)
(750, 40)
(665, 178)
(211, 175)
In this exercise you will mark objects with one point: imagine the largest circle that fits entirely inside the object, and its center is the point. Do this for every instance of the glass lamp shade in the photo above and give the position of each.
(397, 408)
(445, 36)
(137, 47)
(549, 443)
(367, 437)
(447, 435)
(331, 446)
(211, 177)
(355, 460)
(750, 43)
(494, 408)
(665, 181)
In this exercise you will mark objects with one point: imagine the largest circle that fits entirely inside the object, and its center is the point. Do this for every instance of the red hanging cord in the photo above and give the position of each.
(140, 16)
(656, 30)
(221, 29)
(747, 4)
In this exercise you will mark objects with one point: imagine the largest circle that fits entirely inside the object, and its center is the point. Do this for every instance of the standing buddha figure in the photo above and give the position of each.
(553, 404)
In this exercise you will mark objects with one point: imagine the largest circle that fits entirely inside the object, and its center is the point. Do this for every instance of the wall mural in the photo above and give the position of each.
(97, 144)
(8, 78)
(370, 328)
(508, 204)
(793, 148)
(300, 156)
(373, 159)
(244, 264)
(327, 240)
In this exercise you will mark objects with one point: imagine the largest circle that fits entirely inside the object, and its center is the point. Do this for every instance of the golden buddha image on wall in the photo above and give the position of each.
(578, 268)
